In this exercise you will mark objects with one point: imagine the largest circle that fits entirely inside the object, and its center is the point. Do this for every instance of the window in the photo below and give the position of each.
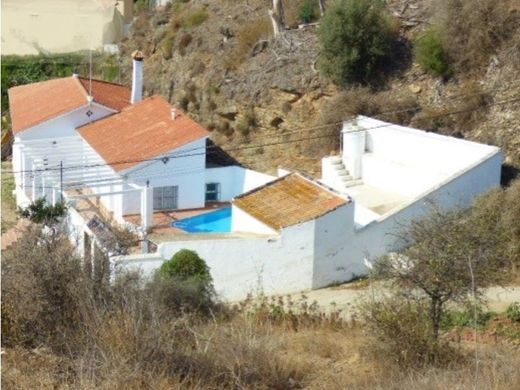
(212, 192)
(165, 198)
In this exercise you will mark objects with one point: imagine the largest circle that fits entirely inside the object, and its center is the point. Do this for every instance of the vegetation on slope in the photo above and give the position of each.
(8, 210)
(62, 328)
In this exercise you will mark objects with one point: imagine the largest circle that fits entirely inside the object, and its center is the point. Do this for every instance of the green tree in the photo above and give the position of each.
(356, 40)
(40, 211)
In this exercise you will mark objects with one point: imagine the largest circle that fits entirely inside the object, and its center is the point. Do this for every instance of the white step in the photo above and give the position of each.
(336, 160)
(342, 172)
(346, 178)
(353, 183)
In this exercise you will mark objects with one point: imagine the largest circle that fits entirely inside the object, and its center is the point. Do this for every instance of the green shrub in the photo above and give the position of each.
(308, 11)
(167, 46)
(430, 54)
(186, 265)
(195, 18)
(356, 39)
(513, 312)
(466, 318)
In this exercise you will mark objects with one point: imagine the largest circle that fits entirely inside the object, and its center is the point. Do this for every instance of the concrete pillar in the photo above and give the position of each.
(23, 168)
(54, 195)
(354, 140)
(147, 207)
(43, 192)
(33, 192)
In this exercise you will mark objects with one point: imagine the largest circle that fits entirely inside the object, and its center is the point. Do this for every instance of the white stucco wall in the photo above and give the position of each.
(186, 170)
(65, 125)
(235, 180)
(244, 222)
(242, 265)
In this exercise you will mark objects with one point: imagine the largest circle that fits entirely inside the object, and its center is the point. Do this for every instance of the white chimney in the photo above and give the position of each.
(137, 77)
(354, 144)
(174, 113)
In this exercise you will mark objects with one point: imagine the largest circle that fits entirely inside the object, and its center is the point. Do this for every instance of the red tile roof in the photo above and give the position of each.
(289, 200)
(35, 103)
(139, 132)
(111, 95)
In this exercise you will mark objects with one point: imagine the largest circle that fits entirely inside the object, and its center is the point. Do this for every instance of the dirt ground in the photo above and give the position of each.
(344, 297)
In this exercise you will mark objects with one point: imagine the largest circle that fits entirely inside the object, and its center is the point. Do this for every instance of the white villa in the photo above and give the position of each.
(142, 163)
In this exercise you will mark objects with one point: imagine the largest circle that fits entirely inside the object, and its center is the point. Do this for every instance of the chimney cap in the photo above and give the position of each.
(138, 55)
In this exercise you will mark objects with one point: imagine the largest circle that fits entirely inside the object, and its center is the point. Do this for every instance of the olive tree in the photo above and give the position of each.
(446, 256)
(356, 40)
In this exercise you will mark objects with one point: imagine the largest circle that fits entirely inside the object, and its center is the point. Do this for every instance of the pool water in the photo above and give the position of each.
(218, 221)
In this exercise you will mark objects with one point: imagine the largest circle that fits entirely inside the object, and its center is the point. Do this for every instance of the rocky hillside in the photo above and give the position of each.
(219, 61)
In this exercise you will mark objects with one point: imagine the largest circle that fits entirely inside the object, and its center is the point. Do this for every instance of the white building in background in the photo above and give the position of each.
(58, 26)
(136, 161)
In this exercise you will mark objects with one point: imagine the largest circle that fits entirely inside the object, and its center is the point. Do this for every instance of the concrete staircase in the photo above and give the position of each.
(344, 179)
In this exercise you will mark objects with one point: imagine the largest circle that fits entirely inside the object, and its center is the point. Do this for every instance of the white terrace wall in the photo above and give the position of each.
(335, 257)
(410, 161)
(376, 238)
(242, 265)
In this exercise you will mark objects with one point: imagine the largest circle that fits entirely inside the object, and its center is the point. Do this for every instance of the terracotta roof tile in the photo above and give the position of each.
(288, 201)
(141, 131)
(111, 95)
(35, 103)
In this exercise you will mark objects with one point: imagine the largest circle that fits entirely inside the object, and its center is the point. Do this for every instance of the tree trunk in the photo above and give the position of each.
(435, 316)
(322, 7)
(276, 15)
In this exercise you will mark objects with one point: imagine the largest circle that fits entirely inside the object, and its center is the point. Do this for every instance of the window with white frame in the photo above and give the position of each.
(165, 198)
(212, 192)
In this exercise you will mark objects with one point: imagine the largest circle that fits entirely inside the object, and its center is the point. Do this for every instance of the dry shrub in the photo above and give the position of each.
(500, 206)
(250, 33)
(45, 295)
(401, 332)
(136, 333)
(291, 13)
(462, 114)
(288, 313)
(472, 31)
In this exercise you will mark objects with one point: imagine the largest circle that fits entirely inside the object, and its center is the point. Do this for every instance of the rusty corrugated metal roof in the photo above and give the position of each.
(289, 200)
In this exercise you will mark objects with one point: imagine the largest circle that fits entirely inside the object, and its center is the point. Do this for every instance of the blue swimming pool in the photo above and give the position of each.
(218, 221)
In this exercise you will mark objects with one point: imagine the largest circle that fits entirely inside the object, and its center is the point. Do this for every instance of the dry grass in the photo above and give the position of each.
(8, 211)
(466, 111)
(247, 37)
(55, 334)
(473, 31)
